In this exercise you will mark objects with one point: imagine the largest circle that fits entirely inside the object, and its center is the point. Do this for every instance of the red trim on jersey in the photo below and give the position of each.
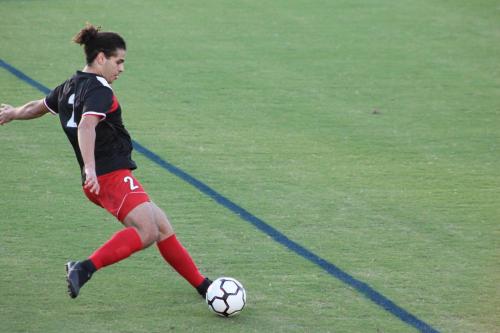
(114, 106)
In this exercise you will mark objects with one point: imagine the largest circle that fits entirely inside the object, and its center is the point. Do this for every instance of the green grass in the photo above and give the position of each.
(271, 104)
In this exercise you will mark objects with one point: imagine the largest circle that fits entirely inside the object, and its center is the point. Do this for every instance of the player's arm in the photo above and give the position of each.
(30, 110)
(86, 141)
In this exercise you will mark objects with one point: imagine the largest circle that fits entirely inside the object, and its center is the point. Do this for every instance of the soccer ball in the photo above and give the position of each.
(226, 297)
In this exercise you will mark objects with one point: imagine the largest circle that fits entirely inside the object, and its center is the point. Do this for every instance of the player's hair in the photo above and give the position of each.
(95, 41)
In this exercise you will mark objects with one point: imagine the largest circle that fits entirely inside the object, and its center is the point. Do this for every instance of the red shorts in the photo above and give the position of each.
(119, 193)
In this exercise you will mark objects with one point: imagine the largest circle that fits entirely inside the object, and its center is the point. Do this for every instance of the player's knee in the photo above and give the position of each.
(149, 234)
(164, 227)
(143, 219)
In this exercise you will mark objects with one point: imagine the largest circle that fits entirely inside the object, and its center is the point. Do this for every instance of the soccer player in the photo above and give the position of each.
(90, 116)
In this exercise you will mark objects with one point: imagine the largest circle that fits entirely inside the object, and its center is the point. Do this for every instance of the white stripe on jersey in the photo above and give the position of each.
(103, 81)
(50, 110)
(103, 115)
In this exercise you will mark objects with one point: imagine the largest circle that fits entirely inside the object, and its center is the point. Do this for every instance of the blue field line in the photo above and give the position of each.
(275, 234)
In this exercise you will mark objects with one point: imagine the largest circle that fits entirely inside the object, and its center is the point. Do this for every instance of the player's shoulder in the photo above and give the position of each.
(93, 81)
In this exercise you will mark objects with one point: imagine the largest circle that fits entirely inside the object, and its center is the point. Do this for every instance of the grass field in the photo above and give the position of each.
(366, 131)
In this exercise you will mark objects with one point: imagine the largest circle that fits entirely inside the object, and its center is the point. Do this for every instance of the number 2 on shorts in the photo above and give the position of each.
(130, 180)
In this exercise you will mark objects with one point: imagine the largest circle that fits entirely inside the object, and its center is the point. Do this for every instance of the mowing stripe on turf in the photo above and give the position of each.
(275, 234)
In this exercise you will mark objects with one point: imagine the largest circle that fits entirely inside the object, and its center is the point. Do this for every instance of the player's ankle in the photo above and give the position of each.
(202, 288)
(89, 266)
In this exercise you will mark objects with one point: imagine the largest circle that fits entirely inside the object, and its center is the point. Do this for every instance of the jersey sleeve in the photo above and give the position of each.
(51, 101)
(98, 102)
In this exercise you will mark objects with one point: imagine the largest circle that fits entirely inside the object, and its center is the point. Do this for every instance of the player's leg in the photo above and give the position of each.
(120, 198)
(140, 232)
(176, 254)
(120, 246)
(143, 219)
(145, 224)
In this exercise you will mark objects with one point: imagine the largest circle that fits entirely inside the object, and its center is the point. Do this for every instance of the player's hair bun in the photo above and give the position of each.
(86, 34)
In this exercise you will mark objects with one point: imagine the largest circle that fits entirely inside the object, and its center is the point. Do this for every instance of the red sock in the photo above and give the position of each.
(120, 246)
(178, 257)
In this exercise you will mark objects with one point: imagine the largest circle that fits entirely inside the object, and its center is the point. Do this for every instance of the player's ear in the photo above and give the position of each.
(100, 58)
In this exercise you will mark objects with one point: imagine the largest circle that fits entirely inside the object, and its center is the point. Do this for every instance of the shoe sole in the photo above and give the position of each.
(71, 291)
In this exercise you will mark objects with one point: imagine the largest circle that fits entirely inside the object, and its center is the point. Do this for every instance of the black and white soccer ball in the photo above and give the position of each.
(226, 297)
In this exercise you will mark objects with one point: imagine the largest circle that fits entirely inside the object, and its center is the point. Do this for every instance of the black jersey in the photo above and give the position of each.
(90, 94)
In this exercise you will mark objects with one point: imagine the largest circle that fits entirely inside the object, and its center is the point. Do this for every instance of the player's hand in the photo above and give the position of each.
(6, 112)
(91, 181)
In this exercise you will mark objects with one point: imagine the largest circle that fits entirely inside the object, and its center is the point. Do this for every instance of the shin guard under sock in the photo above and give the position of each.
(120, 246)
(178, 257)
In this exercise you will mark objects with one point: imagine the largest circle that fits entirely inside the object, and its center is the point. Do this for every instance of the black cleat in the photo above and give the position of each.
(76, 276)
(202, 288)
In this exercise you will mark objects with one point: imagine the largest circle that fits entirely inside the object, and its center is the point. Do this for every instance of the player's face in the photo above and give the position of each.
(114, 65)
